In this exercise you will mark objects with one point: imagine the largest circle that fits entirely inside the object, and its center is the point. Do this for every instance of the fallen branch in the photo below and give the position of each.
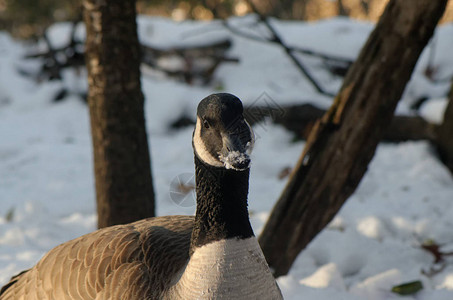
(300, 119)
(190, 63)
(56, 59)
(193, 63)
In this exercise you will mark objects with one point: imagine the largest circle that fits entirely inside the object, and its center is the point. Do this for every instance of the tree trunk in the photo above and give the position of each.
(342, 144)
(445, 135)
(124, 189)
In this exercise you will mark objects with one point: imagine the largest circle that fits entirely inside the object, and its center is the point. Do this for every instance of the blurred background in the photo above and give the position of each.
(29, 18)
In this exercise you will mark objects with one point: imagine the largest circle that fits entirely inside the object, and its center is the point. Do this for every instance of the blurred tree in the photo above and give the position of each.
(343, 142)
(28, 18)
(445, 135)
(124, 189)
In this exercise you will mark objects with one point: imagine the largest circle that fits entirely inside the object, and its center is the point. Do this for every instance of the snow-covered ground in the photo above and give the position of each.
(47, 185)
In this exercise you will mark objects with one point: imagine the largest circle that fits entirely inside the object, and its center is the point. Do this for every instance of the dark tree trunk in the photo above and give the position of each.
(445, 135)
(124, 189)
(344, 141)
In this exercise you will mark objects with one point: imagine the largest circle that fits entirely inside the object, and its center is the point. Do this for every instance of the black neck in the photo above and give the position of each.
(221, 204)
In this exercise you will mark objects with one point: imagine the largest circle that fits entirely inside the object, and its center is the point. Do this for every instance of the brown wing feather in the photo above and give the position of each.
(134, 261)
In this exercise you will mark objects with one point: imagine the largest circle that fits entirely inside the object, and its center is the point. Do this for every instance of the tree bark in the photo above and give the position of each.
(124, 189)
(445, 135)
(343, 142)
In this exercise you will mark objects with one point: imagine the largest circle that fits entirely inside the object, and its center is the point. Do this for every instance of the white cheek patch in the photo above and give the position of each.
(201, 150)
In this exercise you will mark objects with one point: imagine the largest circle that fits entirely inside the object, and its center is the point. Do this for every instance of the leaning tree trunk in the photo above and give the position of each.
(342, 144)
(445, 135)
(124, 189)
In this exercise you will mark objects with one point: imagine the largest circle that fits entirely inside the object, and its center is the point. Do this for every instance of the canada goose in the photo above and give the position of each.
(213, 255)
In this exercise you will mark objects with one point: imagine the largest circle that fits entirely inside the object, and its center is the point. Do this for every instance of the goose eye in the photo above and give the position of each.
(205, 124)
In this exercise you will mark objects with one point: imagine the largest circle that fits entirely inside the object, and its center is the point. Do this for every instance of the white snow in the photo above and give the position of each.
(46, 171)
(433, 110)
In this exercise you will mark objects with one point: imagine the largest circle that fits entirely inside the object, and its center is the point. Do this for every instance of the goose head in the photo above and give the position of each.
(222, 137)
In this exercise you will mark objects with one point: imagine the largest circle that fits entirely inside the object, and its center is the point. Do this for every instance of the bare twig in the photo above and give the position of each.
(51, 64)
(305, 51)
(276, 39)
(431, 69)
(434, 270)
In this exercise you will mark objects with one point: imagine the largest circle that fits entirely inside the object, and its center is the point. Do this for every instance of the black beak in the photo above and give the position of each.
(237, 144)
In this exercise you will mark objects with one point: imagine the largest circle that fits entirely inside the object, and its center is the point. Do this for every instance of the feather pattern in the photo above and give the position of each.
(112, 263)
